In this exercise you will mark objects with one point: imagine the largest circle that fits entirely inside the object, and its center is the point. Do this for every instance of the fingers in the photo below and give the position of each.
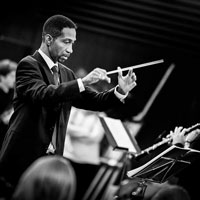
(178, 128)
(178, 131)
(130, 72)
(131, 75)
(100, 74)
(120, 71)
(108, 79)
(132, 85)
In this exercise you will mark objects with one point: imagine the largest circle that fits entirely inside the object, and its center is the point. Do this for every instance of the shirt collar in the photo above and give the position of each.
(49, 62)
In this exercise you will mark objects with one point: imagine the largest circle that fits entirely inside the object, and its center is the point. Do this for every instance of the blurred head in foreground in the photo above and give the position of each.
(48, 178)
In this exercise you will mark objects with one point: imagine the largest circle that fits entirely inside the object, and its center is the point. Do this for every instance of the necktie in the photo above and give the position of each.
(52, 146)
(55, 74)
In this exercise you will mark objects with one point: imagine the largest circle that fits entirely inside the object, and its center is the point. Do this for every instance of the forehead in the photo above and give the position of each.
(68, 33)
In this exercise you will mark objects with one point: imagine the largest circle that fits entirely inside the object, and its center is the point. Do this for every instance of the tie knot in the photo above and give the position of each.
(55, 69)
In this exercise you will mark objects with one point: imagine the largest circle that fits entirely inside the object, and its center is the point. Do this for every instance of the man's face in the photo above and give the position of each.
(61, 48)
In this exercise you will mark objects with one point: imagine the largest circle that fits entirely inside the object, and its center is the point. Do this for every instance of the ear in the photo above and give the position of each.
(48, 39)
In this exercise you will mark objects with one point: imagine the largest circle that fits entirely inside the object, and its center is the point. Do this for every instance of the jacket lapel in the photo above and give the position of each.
(46, 72)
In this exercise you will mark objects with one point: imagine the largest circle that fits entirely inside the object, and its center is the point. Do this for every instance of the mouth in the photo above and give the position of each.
(63, 58)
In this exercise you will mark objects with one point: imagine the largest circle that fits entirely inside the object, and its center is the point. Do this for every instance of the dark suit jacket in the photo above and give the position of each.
(38, 104)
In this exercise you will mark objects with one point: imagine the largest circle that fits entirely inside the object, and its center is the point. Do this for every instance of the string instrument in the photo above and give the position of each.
(190, 135)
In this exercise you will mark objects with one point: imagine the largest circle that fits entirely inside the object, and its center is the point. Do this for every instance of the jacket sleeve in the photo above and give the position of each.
(35, 83)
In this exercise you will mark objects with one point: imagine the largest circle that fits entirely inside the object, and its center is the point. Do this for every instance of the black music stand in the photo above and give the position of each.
(120, 138)
(163, 166)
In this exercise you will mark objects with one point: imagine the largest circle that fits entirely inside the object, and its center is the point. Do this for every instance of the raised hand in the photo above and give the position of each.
(128, 82)
(178, 135)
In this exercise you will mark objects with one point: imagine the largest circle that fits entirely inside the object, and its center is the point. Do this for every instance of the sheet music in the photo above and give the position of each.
(120, 134)
(133, 172)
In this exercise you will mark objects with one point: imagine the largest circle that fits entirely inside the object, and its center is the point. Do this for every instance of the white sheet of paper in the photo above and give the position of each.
(120, 134)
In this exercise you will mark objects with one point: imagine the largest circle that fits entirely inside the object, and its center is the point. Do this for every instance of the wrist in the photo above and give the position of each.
(84, 81)
(120, 90)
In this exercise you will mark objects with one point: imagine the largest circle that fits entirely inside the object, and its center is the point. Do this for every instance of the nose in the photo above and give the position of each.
(69, 49)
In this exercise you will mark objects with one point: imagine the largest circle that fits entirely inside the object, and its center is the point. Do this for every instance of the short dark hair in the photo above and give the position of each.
(171, 192)
(55, 24)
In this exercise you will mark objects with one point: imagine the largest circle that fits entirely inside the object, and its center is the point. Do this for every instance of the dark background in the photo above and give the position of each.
(122, 33)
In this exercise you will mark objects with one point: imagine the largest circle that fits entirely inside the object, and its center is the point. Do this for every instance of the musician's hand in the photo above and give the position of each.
(95, 76)
(178, 135)
(195, 134)
(126, 83)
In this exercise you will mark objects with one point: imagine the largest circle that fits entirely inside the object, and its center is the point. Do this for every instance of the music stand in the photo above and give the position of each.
(120, 138)
(163, 166)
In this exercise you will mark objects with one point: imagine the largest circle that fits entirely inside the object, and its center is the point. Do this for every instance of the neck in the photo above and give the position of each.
(45, 49)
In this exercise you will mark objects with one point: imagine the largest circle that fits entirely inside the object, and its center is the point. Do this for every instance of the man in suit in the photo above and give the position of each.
(42, 106)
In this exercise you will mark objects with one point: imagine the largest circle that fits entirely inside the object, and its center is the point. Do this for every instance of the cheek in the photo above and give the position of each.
(59, 48)
(59, 51)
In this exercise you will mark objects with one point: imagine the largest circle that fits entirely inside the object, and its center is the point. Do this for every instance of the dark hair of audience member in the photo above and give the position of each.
(48, 178)
(172, 192)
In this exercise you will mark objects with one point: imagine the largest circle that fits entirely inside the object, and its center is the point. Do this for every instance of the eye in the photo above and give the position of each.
(67, 41)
